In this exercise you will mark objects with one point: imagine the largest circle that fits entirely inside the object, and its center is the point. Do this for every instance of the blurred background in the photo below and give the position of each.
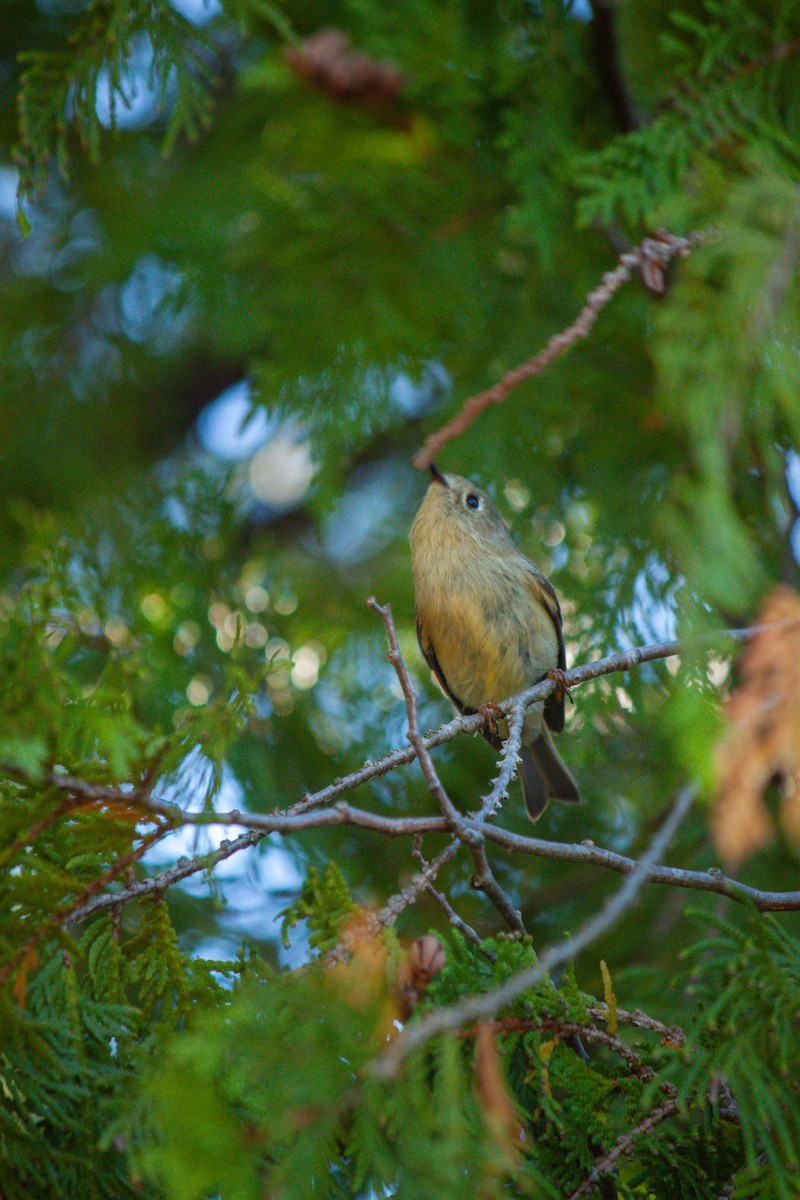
(247, 264)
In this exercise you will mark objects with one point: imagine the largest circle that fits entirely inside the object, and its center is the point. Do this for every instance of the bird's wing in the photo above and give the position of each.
(429, 654)
(542, 592)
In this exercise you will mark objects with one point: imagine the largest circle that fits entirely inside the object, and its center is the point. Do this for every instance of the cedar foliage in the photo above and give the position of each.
(368, 243)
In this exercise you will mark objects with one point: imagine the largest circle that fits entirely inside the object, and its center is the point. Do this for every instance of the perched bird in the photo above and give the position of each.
(489, 625)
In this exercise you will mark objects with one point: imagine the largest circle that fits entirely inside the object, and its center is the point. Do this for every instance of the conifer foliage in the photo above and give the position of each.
(262, 935)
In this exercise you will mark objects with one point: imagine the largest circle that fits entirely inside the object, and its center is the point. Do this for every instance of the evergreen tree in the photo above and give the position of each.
(253, 257)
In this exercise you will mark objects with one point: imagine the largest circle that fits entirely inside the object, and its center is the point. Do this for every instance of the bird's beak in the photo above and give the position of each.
(438, 476)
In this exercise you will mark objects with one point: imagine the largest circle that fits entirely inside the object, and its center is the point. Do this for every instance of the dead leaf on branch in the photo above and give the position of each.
(501, 1119)
(19, 988)
(763, 738)
(327, 61)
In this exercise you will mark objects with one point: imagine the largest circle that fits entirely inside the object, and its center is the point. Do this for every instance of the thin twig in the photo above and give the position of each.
(652, 256)
(435, 787)
(483, 878)
(395, 905)
(419, 883)
(165, 879)
(669, 1033)
(484, 1006)
(589, 1033)
(623, 1145)
(455, 920)
(459, 923)
(509, 758)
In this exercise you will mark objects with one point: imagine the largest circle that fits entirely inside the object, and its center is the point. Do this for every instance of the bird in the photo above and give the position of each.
(489, 626)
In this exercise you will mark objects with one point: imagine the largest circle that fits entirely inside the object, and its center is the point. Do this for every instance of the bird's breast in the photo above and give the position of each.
(490, 635)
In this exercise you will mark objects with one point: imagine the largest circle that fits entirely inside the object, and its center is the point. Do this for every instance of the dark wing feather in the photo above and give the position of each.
(553, 705)
(429, 654)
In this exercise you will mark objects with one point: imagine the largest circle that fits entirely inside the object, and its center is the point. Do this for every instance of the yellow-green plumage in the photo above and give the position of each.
(488, 621)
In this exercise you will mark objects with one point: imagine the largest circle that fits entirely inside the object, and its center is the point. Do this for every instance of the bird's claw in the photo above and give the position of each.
(492, 713)
(560, 679)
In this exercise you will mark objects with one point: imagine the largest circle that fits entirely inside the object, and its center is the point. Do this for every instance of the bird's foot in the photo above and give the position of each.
(492, 713)
(560, 679)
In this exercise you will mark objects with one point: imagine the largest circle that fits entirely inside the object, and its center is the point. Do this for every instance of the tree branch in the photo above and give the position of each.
(165, 879)
(401, 900)
(711, 880)
(261, 824)
(571, 1029)
(449, 810)
(669, 1033)
(302, 814)
(624, 1145)
(395, 905)
(455, 920)
(652, 256)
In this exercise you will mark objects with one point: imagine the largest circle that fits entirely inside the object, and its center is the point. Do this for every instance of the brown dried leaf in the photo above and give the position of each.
(327, 61)
(763, 740)
(363, 980)
(19, 988)
(501, 1119)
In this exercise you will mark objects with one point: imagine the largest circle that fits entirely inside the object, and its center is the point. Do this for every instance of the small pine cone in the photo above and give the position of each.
(426, 958)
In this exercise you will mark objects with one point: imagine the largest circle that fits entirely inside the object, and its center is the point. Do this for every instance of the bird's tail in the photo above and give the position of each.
(544, 776)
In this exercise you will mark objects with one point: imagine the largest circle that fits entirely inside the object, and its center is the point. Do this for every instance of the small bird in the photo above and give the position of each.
(489, 625)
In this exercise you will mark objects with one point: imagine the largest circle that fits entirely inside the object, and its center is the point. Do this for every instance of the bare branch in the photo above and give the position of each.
(711, 880)
(159, 883)
(261, 824)
(338, 814)
(669, 1033)
(652, 256)
(449, 810)
(508, 760)
(455, 920)
(587, 853)
(303, 815)
(483, 878)
(395, 904)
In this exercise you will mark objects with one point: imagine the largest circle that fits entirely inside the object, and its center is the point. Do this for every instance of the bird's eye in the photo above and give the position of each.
(472, 501)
